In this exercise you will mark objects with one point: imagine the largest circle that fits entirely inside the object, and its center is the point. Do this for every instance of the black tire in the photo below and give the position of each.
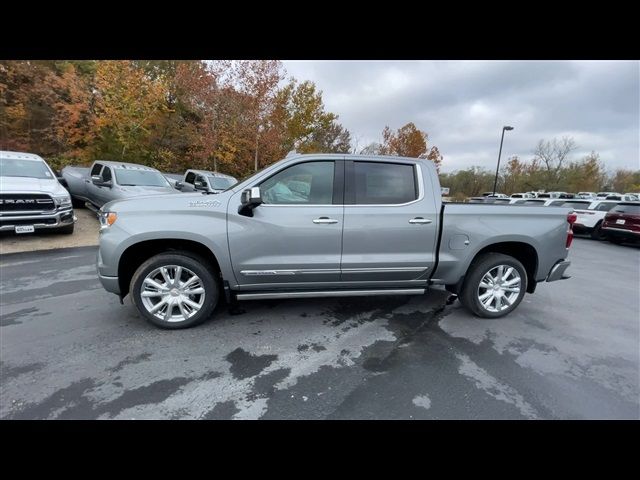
(597, 233)
(67, 230)
(477, 270)
(188, 260)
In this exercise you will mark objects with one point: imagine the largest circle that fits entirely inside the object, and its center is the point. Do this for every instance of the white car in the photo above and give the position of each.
(591, 195)
(627, 197)
(521, 195)
(590, 217)
(603, 195)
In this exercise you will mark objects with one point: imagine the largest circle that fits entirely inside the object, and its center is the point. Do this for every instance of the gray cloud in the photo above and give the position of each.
(464, 104)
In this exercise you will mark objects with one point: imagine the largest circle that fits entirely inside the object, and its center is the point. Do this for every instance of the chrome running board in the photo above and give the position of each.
(329, 293)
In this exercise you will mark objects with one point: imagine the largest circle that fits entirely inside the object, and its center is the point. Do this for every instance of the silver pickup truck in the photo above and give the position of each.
(31, 197)
(326, 225)
(106, 181)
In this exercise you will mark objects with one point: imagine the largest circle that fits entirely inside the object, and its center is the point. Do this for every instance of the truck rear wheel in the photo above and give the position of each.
(597, 233)
(174, 290)
(494, 285)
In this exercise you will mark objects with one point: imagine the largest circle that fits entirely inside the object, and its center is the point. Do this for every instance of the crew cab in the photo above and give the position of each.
(622, 223)
(106, 181)
(322, 225)
(205, 180)
(31, 197)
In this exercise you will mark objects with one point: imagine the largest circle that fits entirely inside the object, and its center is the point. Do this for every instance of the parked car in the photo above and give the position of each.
(587, 195)
(622, 223)
(31, 197)
(205, 180)
(590, 217)
(622, 198)
(522, 195)
(106, 181)
(551, 195)
(363, 226)
(603, 195)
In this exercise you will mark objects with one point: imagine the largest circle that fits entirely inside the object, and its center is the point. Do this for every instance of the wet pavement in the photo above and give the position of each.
(68, 349)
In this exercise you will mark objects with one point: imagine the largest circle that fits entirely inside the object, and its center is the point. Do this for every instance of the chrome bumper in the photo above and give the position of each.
(557, 272)
(60, 219)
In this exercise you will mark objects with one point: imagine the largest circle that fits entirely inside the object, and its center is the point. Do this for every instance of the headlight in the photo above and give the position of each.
(62, 200)
(107, 219)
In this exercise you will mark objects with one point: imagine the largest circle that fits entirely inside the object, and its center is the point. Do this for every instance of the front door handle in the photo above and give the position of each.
(420, 220)
(323, 220)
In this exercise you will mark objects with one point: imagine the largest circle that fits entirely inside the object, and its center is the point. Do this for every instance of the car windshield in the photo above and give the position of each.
(142, 178)
(11, 167)
(628, 208)
(220, 183)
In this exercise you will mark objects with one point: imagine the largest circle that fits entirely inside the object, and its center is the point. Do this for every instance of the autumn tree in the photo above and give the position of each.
(127, 101)
(553, 154)
(258, 79)
(409, 141)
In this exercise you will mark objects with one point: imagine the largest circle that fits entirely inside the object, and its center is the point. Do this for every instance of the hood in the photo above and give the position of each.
(146, 190)
(31, 185)
(171, 202)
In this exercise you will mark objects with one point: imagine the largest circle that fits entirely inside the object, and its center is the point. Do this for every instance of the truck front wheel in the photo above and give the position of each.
(494, 285)
(174, 290)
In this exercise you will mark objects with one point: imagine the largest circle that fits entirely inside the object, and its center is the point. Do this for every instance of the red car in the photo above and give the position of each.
(622, 223)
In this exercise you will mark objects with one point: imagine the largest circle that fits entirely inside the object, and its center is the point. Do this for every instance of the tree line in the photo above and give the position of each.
(551, 168)
(232, 116)
(235, 117)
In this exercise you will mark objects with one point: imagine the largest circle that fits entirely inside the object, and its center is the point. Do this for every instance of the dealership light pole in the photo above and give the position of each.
(495, 182)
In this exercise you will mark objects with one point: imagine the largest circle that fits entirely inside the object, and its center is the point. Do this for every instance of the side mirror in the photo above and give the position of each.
(249, 200)
(178, 185)
(200, 185)
(96, 179)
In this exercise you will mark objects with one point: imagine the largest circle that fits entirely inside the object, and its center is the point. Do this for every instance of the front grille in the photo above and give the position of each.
(25, 202)
(46, 221)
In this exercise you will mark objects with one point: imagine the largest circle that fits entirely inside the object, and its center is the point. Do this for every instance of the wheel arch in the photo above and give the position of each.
(524, 252)
(136, 254)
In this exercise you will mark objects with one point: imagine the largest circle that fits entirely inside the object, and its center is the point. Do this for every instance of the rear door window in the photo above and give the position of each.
(190, 178)
(377, 183)
(95, 170)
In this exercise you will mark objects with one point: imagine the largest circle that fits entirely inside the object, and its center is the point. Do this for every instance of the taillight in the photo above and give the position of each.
(571, 219)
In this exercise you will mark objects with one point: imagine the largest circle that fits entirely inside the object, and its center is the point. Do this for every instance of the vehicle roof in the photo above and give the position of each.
(20, 156)
(350, 156)
(125, 165)
(209, 172)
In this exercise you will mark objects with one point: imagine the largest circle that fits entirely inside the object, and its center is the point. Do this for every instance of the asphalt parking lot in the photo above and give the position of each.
(69, 350)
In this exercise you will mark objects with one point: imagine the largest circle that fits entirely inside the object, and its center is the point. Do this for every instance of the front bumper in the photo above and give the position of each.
(557, 272)
(40, 221)
(110, 284)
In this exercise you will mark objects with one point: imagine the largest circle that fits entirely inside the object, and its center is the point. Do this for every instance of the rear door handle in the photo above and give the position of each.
(324, 220)
(420, 220)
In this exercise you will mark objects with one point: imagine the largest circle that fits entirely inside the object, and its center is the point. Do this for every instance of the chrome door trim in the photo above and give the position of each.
(420, 221)
(330, 293)
(324, 221)
(313, 271)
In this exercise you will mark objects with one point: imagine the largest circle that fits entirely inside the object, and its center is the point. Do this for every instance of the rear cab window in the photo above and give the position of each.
(95, 170)
(627, 208)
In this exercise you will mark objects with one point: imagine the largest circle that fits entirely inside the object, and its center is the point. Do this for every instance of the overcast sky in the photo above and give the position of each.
(463, 105)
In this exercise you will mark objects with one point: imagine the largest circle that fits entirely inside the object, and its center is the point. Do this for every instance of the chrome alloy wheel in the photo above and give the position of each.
(172, 293)
(499, 288)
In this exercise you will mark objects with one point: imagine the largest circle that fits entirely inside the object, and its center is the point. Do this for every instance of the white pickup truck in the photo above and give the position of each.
(31, 197)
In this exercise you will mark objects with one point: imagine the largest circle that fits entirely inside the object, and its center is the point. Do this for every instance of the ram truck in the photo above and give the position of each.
(326, 226)
(31, 197)
(106, 181)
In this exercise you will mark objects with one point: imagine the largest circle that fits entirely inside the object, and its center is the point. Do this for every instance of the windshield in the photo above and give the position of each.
(143, 178)
(10, 167)
(220, 183)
